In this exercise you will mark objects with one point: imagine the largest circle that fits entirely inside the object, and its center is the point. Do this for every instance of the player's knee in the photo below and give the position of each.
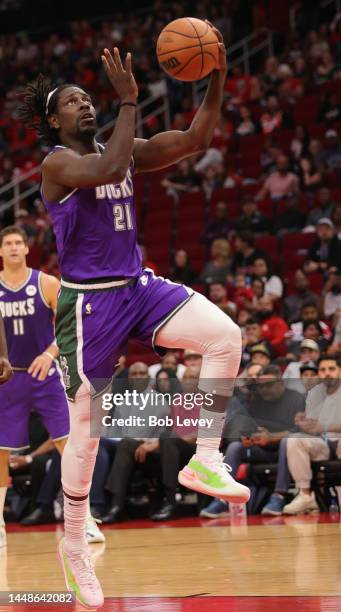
(226, 338)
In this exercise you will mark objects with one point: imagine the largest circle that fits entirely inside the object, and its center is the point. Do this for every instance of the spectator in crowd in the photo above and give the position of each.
(166, 382)
(317, 46)
(258, 432)
(275, 505)
(302, 294)
(280, 183)
(246, 253)
(274, 328)
(300, 142)
(269, 155)
(181, 270)
(246, 125)
(331, 154)
(218, 294)
(212, 178)
(325, 69)
(320, 434)
(258, 287)
(332, 294)
(309, 375)
(133, 450)
(219, 267)
(243, 295)
(274, 118)
(316, 154)
(184, 179)
(309, 312)
(177, 445)
(325, 253)
(218, 227)
(169, 361)
(312, 330)
(324, 208)
(251, 218)
(273, 286)
(290, 87)
(309, 352)
(310, 177)
(232, 178)
(260, 355)
(291, 219)
(253, 337)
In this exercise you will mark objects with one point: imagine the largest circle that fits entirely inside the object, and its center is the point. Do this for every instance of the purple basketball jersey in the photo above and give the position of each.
(96, 231)
(28, 320)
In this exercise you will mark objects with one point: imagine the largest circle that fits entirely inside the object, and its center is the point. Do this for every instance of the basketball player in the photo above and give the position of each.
(107, 298)
(28, 300)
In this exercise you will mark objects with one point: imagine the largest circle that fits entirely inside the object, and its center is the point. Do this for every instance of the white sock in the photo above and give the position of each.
(75, 513)
(209, 438)
(3, 491)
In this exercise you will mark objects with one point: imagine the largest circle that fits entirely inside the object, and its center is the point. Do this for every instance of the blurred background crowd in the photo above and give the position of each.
(254, 223)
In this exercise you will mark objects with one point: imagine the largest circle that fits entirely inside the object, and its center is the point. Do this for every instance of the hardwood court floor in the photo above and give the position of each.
(290, 564)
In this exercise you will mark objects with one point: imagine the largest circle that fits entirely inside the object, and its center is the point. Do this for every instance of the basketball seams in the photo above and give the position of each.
(185, 48)
(199, 39)
(191, 59)
(180, 33)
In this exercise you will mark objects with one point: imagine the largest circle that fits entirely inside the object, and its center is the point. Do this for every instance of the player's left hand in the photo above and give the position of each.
(222, 49)
(6, 371)
(40, 366)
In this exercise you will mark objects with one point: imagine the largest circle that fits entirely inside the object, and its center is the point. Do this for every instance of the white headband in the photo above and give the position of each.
(49, 96)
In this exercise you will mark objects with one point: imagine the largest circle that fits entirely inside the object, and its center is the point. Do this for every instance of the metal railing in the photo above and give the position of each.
(240, 55)
(155, 106)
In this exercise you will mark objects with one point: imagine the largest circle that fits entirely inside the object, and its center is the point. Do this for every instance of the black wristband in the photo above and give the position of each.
(128, 104)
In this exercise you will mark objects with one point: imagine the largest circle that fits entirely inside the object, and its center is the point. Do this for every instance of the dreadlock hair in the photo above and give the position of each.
(34, 110)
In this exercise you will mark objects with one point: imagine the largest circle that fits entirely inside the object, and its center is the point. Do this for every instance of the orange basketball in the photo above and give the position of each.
(187, 49)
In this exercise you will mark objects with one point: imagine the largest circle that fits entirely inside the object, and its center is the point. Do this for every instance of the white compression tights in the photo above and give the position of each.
(78, 461)
(203, 327)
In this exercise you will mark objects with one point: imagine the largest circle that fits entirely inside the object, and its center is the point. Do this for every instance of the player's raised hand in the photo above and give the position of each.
(222, 49)
(121, 78)
(40, 366)
(6, 371)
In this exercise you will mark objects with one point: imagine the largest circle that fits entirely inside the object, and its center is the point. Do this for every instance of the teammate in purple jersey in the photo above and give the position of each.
(107, 298)
(28, 300)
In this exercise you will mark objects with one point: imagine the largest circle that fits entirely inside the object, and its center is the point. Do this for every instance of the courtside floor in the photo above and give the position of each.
(285, 564)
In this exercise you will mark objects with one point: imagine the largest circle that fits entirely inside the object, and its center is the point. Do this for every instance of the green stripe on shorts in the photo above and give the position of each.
(66, 334)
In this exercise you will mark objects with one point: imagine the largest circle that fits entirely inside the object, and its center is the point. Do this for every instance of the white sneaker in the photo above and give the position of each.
(302, 504)
(211, 476)
(3, 539)
(92, 531)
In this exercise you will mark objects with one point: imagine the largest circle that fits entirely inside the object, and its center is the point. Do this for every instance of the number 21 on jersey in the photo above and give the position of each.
(122, 217)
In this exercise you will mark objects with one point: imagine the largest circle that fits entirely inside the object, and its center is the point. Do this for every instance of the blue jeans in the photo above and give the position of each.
(236, 454)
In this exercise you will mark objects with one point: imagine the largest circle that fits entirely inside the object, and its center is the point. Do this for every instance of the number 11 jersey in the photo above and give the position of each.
(28, 319)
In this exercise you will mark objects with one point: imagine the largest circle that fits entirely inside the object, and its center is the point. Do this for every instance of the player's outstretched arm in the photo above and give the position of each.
(5, 366)
(69, 169)
(165, 149)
